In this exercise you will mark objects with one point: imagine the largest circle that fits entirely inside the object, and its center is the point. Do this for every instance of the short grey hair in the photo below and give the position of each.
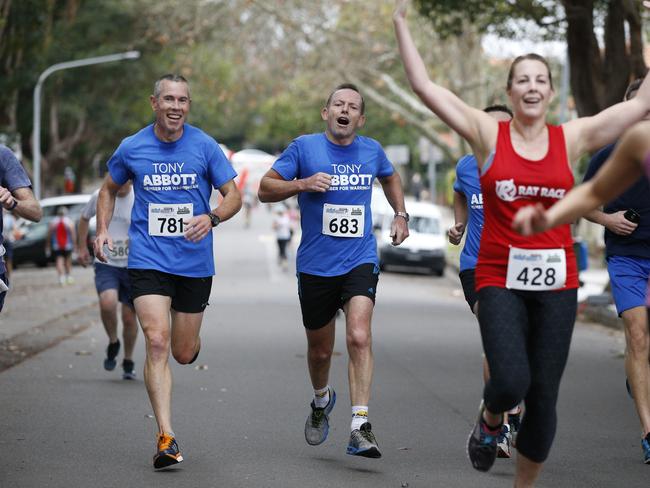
(169, 77)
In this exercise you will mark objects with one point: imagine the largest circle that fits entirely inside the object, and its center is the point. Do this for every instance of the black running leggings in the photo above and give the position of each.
(526, 338)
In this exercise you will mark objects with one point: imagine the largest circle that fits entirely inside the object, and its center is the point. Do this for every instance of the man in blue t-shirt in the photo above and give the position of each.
(15, 196)
(627, 250)
(468, 216)
(332, 173)
(174, 167)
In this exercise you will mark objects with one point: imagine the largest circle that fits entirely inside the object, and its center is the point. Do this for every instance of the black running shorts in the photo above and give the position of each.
(322, 296)
(189, 295)
(469, 287)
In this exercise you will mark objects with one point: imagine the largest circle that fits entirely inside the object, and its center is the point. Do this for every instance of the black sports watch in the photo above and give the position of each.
(404, 215)
(214, 219)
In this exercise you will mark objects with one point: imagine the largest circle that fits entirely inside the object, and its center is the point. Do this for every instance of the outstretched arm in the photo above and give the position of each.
(475, 126)
(617, 174)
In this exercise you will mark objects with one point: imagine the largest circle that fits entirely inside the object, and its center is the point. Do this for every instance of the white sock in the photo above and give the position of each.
(322, 397)
(359, 416)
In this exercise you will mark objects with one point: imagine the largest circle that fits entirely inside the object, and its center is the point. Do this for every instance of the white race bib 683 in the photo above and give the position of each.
(343, 220)
(168, 219)
(536, 269)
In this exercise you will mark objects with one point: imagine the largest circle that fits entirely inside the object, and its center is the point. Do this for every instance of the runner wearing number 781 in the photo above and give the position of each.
(174, 167)
(332, 173)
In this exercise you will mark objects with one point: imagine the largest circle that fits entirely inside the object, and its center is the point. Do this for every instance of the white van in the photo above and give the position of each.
(426, 245)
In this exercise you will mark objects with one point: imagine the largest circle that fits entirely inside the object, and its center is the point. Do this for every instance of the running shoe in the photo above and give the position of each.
(514, 421)
(168, 453)
(503, 442)
(482, 444)
(645, 445)
(317, 425)
(128, 366)
(111, 353)
(363, 442)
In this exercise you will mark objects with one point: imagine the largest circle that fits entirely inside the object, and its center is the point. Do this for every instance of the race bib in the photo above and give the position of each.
(168, 219)
(343, 220)
(120, 250)
(536, 269)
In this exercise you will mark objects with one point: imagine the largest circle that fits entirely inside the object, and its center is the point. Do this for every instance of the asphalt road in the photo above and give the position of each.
(239, 412)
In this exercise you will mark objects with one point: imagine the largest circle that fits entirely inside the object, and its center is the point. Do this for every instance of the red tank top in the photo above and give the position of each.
(512, 182)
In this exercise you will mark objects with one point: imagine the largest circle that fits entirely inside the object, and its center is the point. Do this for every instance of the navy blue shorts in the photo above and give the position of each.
(628, 276)
(113, 278)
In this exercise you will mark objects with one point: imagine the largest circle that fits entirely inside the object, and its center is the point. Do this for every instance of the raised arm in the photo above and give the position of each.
(617, 174)
(475, 126)
(587, 134)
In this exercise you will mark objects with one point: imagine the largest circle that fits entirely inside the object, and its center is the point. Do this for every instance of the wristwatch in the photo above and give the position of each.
(214, 219)
(405, 215)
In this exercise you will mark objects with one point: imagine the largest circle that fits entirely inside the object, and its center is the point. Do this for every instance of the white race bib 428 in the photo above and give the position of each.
(343, 220)
(536, 269)
(168, 219)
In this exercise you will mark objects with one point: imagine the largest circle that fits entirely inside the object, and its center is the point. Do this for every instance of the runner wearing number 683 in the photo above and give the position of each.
(332, 173)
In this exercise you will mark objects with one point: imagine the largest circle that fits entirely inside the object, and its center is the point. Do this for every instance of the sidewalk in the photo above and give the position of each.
(38, 312)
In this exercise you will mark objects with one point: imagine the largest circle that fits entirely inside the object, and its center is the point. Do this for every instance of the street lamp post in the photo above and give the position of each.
(36, 142)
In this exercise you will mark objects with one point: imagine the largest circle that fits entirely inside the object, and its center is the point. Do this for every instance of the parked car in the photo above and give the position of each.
(426, 245)
(30, 248)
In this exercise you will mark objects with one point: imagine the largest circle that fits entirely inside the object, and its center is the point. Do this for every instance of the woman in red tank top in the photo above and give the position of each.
(526, 285)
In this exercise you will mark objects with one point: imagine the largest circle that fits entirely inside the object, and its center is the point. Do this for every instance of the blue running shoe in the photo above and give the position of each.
(363, 442)
(645, 445)
(317, 425)
(482, 444)
(168, 453)
(111, 353)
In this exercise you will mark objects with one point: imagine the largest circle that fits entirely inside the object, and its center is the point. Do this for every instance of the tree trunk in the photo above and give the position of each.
(587, 84)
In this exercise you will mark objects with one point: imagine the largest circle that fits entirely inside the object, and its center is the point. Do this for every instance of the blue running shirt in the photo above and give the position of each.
(175, 177)
(468, 183)
(353, 169)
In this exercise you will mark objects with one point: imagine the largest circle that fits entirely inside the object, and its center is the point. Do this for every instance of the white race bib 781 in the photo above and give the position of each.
(168, 219)
(343, 220)
(536, 269)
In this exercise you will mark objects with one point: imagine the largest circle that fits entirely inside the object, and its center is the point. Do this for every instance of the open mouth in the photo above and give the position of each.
(175, 117)
(344, 121)
(532, 100)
